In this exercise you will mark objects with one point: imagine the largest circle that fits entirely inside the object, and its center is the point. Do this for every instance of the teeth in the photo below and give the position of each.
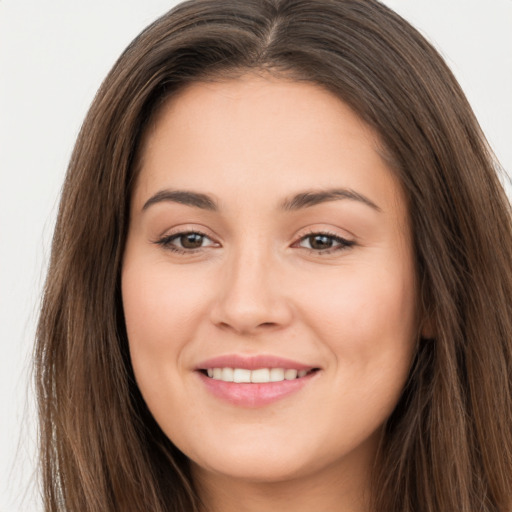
(227, 374)
(261, 375)
(276, 374)
(241, 375)
(290, 374)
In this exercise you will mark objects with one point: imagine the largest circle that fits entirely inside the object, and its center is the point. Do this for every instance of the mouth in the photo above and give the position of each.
(254, 381)
(256, 376)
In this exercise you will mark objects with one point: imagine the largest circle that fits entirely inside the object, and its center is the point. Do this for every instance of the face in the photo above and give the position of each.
(268, 281)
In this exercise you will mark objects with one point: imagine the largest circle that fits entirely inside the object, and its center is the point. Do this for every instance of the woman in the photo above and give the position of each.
(280, 276)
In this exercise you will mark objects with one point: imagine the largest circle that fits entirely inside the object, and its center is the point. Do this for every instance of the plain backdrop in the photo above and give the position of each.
(53, 57)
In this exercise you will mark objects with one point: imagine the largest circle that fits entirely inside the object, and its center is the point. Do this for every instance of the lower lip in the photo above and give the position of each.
(254, 395)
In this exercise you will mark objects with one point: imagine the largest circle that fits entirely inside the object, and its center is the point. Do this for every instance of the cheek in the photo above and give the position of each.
(161, 310)
(158, 304)
(368, 326)
(367, 319)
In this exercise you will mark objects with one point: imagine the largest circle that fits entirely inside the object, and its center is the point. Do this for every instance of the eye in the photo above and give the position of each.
(324, 242)
(187, 241)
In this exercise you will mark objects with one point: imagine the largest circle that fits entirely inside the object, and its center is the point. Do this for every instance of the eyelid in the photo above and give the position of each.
(165, 240)
(343, 242)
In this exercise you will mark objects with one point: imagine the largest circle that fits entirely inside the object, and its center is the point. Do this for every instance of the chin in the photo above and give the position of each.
(255, 454)
(258, 468)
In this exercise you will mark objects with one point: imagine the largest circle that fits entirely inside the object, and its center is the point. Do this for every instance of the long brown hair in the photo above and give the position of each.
(448, 445)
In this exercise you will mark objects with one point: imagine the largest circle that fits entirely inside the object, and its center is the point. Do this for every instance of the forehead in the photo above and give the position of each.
(252, 102)
(240, 134)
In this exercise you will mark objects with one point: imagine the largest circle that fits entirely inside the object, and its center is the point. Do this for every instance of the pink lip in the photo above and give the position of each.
(253, 395)
(252, 362)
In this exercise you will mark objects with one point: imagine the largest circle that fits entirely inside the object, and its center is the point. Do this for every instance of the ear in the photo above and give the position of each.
(426, 314)
(427, 328)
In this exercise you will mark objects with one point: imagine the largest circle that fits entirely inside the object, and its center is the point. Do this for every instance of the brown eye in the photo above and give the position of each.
(320, 242)
(191, 240)
(187, 241)
(324, 242)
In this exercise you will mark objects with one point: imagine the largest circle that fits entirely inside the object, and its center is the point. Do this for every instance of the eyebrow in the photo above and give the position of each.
(296, 202)
(313, 197)
(185, 197)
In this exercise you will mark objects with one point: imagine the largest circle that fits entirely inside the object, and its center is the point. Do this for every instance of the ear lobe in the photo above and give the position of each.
(427, 330)
(426, 315)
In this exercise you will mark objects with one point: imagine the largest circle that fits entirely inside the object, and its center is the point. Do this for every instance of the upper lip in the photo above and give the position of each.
(252, 362)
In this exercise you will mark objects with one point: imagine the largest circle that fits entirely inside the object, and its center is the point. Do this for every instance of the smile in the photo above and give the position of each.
(257, 376)
(254, 381)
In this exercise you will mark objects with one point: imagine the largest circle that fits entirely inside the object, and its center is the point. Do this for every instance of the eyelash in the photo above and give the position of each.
(343, 242)
(167, 242)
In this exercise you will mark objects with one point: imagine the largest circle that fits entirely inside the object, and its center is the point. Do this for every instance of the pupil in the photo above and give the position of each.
(320, 242)
(191, 240)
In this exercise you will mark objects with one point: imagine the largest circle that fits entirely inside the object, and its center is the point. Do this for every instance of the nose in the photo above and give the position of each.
(251, 298)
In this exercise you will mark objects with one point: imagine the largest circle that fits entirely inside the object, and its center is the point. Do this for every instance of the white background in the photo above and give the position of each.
(53, 57)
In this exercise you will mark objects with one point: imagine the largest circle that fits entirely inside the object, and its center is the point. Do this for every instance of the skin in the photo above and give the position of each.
(255, 286)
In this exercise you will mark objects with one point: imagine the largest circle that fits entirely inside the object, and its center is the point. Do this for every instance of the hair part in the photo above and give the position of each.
(448, 444)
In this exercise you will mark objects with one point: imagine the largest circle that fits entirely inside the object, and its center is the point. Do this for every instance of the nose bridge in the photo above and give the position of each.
(249, 296)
